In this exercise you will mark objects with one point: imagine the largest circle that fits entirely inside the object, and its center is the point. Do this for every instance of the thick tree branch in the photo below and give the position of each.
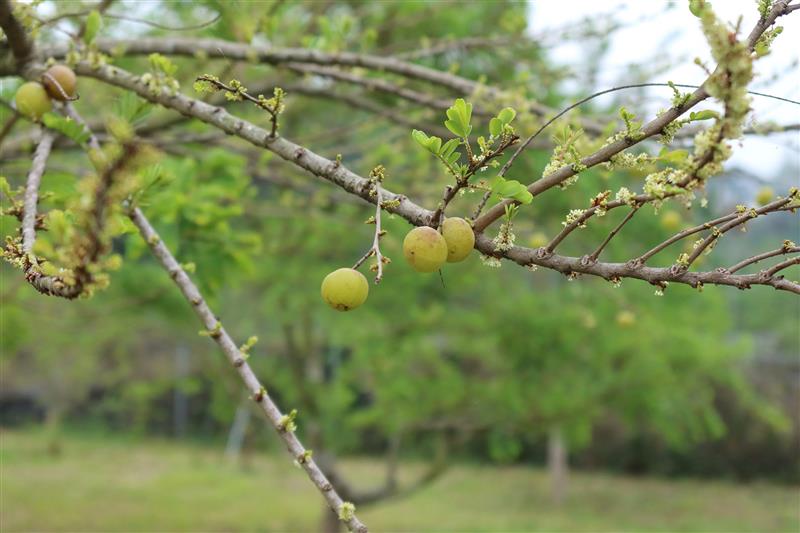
(277, 56)
(339, 175)
(21, 45)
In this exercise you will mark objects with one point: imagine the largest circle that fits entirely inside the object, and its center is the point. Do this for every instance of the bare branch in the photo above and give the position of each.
(782, 265)
(32, 190)
(787, 248)
(596, 254)
(743, 216)
(773, 206)
(239, 360)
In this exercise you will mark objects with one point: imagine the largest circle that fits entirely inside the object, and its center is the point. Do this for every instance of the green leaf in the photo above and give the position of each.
(703, 115)
(5, 188)
(67, 127)
(93, 24)
(696, 7)
(131, 108)
(434, 144)
(495, 126)
(420, 137)
(459, 116)
(523, 197)
(674, 156)
(506, 115)
(448, 148)
(455, 127)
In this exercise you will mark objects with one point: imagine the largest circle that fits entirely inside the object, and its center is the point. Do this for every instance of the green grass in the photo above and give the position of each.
(117, 484)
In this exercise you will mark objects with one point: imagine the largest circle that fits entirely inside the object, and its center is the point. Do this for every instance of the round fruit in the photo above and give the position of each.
(671, 220)
(626, 318)
(64, 77)
(425, 249)
(32, 100)
(345, 289)
(765, 195)
(538, 240)
(459, 237)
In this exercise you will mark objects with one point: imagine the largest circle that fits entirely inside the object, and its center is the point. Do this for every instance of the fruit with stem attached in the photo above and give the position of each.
(425, 249)
(459, 237)
(60, 82)
(345, 289)
(32, 100)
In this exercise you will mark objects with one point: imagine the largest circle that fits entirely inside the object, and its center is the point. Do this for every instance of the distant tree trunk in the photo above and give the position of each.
(238, 431)
(52, 423)
(180, 402)
(557, 465)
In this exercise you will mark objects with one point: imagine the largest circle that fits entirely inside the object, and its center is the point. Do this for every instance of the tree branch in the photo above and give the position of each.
(787, 248)
(354, 184)
(21, 45)
(33, 182)
(218, 333)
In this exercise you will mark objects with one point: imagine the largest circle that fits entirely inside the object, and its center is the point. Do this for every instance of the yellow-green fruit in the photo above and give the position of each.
(626, 318)
(32, 100)
(765, 195)
(538, 240)
(64, 77)
(671, 220)
(345, 289)
(425, 249)
(459, 237)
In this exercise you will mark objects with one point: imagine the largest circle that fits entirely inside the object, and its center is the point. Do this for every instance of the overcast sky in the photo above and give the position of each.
(662, 33)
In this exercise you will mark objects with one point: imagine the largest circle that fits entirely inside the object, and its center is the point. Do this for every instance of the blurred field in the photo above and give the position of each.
(118, 484)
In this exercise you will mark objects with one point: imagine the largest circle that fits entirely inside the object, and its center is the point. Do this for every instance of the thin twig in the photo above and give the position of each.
(770, 272)
(475, 165)
(741, 218)
(642, 259)
(260, 101)
(785, 249)
(375, 249)
(596, 254)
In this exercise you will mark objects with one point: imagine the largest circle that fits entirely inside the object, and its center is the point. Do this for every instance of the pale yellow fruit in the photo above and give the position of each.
(671, 220)
(765, 195)
(459, 237)
(537, 240)
(32, 100)
(425, 249)
(345, 289)
(626, 318)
